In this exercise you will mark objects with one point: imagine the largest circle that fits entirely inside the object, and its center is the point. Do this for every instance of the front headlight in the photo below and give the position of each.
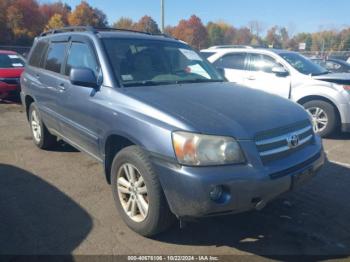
(206, 150)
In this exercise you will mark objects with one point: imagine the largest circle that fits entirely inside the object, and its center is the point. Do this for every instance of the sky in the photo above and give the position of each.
(296, 15)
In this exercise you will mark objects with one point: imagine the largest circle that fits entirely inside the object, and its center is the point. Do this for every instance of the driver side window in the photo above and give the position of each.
(81, 55)
(262, 63)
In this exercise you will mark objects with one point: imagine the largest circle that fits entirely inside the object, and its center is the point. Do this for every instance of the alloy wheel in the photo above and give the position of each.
(319, 118)
(36, 126)
(132, 192)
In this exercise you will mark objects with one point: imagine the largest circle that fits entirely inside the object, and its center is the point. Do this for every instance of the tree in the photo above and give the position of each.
(303, 38)
(49, 10)
(124, 23)
(273, 39)
(147, 24)
(284, 37)
(24, 19)
(243, 36)
(215, 34)
(56, 21)
(193, 32)
(169, 30)
(84, 14)
(4, 30)
(230, 35)
(256, 28)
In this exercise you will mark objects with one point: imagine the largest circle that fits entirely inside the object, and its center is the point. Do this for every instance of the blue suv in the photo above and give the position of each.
(176, 140)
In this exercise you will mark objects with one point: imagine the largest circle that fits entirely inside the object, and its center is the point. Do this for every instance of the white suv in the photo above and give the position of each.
(290, 75)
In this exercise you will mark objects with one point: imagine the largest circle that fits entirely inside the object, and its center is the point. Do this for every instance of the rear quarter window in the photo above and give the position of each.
(38, 54)
(232, 61)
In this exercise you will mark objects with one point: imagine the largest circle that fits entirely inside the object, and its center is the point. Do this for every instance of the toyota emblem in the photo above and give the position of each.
(293, 141)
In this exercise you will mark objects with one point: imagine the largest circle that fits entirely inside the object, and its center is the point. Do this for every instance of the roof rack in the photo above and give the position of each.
(93, 30)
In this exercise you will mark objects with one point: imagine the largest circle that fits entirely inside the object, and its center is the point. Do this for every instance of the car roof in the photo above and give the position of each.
(7, 52)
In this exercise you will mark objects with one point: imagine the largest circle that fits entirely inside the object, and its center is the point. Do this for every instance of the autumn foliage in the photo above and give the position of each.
(22, 20)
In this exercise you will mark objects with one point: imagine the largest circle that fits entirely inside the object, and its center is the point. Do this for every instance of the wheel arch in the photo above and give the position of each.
(28, 100)
(114, 143)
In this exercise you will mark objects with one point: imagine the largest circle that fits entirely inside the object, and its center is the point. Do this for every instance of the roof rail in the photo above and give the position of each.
(68, 29)
(93, 30)
(231, 46)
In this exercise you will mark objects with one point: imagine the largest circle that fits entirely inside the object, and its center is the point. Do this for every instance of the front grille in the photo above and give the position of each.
(10, 81)
(273, 144)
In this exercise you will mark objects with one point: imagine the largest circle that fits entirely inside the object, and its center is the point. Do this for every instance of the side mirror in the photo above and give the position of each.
(83, 77)
(280, 71)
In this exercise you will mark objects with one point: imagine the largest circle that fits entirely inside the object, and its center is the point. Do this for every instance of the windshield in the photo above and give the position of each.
(303, 64)
(148, 62)
(11, 61)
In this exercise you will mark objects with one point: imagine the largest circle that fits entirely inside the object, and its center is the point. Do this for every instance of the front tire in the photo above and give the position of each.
(138, 194)
(41, 136)
(325, 120)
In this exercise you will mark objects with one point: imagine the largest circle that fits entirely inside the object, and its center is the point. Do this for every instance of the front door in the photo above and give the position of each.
(260, 75)
(80, 106)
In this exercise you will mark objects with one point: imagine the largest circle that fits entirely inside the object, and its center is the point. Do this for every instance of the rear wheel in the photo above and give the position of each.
(324, 117)
(41, 136)
(138, 194)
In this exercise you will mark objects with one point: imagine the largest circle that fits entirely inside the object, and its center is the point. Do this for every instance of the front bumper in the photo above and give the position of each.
(187, 189)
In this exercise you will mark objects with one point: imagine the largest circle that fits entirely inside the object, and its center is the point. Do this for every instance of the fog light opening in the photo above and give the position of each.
(219, 194)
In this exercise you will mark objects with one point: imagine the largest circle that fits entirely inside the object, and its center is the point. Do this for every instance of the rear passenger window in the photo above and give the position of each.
(38, 54)
(55, 57)
(81, 55)
(232, 61)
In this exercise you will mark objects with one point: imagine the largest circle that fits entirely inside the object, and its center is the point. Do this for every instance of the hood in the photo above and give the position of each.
(221, 108)
(11, 72)
(338, 78)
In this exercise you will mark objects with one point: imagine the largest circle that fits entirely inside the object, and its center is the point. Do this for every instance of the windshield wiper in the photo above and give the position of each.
(147, 83)
(198, 80)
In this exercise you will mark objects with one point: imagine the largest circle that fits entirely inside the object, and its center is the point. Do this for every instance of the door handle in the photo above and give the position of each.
(61, 87)
(37, 76)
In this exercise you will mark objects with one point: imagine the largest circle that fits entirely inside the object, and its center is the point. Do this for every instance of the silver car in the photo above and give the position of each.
(290, 75)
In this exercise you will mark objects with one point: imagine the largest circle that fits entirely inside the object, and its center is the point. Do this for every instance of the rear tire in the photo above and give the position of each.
(41, 136)
(149, 221)
(324, 115)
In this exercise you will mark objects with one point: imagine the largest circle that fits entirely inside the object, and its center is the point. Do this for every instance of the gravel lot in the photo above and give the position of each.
(58, 202)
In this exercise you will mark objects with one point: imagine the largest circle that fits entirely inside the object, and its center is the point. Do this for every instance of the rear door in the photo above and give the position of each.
(80, 105)
(234, 65)
(261, 77)
(50, 79)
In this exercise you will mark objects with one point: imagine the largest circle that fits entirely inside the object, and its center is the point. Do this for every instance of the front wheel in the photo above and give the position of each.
(324, 117)
(138, 194)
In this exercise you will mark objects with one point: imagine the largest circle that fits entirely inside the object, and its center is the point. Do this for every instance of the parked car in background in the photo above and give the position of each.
(290, 75)
(333, 65)
(176, 140)
(11, 68)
